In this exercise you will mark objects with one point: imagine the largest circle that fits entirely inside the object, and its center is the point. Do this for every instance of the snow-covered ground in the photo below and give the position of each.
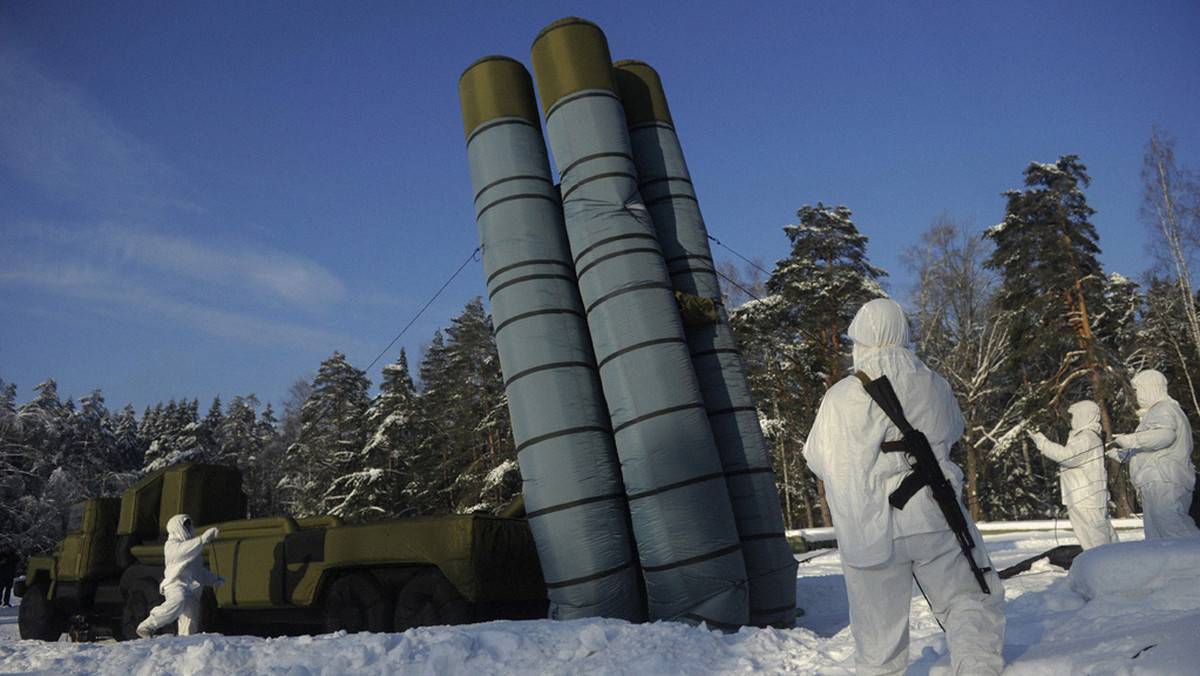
(1132, 608)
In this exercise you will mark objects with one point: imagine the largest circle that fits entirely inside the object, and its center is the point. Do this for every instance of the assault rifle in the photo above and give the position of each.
(925, 471)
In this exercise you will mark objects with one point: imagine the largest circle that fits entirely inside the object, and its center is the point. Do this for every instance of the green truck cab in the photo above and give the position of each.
(284, 575)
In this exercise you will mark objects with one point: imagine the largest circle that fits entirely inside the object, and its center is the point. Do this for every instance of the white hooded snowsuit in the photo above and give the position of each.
(1159, 454)
(884, 549)
(183, 579)
(1081, 477)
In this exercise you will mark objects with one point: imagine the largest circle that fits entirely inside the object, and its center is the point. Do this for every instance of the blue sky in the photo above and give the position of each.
(209, 198)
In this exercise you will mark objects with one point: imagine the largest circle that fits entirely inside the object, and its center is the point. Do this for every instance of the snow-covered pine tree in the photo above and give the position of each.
(13, 464)
(392, 422)
(266, 498)
(129, 451)
(1051, 287)
(814, 293)
(331, 437)
(427, 484)
(175, 435)
(492, 478)
(463, 457)
(44, 421)
(773, 354)
(208, 433)
(90, 450)
(237, 437)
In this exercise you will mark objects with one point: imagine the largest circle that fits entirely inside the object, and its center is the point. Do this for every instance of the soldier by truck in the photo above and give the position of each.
(284, 575)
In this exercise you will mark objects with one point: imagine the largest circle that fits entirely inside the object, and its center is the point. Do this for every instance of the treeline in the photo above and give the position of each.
(334, 449)
(1021, 319)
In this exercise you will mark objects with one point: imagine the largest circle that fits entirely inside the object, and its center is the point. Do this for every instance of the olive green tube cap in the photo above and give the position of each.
(642, 93)
(571, 55)
(494, 87)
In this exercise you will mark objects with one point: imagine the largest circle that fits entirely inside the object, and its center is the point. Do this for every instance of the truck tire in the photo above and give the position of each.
(139, 601)
(38, 619)
(429, 599)
(356, 602)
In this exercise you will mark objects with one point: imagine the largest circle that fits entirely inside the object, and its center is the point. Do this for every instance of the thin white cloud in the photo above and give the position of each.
(110, 293)
(58, 142)
(121, 252)
(62, 145)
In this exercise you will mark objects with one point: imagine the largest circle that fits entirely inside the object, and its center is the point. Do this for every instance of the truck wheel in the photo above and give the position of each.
(38, 618)
(428, 599)
(356, 602)
(139, 601)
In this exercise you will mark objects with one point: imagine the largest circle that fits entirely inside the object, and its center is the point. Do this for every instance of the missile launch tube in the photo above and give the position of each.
(572, 487)
(683, 522)
(666, 187)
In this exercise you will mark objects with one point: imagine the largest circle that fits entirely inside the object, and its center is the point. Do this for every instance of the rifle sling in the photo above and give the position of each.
(913, 481)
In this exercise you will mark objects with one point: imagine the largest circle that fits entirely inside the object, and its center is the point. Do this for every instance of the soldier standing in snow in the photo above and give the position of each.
(1159, 454)
(1081, 477)
(183, 579)
(8, 570)
(883, 548)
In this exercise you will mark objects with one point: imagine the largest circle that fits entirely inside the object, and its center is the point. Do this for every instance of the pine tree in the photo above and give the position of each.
(428, 484)
(1051, 287)
(465, 442)
(129, 452)
(474, 364)
(332, 434)
(236, 435)
(774, 359)
(91, 448)
(392, 420)
(208, 434)
(815, 293)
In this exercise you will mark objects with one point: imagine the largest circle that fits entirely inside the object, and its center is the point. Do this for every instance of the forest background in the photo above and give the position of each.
(1019, 317)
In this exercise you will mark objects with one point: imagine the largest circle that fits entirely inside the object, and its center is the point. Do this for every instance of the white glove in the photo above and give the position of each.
(220, 581)
(210, 534)
(1037, 437)
(1118, 454)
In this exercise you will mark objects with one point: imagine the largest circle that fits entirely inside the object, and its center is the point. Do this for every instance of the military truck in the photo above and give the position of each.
(284, 575)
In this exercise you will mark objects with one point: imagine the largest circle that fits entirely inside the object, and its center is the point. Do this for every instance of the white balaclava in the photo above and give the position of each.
(1151, 388)
(180, 528)
(1085, 415)
(879, 323)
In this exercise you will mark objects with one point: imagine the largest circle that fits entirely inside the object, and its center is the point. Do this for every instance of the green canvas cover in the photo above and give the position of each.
(88, 552)
(208, 493)
(486, 558)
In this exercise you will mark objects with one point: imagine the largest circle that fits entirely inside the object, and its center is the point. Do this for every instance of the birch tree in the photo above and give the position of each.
(959, 332)
(1171, 213)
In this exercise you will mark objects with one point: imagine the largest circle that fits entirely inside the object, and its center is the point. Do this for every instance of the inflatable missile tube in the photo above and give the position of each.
(572, 485)
(611, 397)
(666, 187)
(669, 460)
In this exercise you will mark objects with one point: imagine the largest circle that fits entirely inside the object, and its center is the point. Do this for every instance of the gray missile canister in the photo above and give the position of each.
(666, 186)
(572, 487)
(683, 523)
